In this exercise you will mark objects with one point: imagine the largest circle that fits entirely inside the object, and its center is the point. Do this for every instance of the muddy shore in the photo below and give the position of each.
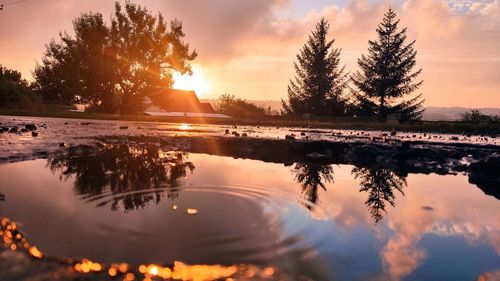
(477, 156)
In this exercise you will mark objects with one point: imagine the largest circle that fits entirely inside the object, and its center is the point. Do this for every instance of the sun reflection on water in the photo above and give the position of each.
(184, 127)
(14, 240)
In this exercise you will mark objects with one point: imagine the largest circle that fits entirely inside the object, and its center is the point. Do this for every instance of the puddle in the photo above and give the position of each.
(161, 211)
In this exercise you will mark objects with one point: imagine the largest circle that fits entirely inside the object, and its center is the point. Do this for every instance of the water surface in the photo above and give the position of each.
(142, 205)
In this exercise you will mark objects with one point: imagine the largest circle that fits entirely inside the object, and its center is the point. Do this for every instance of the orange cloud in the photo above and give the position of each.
(247, 48)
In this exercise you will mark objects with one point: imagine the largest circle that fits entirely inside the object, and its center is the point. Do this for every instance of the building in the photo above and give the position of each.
(180, 103)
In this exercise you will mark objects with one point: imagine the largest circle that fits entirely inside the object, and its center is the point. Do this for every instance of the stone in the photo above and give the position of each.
(484, 174)
(30, 127)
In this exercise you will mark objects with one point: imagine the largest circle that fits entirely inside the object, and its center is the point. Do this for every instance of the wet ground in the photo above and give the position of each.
(103, 200)
(51, 133)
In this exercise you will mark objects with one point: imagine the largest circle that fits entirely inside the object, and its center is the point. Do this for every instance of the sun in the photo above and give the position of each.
(195, 82)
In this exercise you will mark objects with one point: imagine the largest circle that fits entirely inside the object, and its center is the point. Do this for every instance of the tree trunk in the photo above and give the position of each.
(382, 107)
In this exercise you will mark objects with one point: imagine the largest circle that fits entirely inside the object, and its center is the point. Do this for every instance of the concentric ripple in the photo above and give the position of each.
(207, 224)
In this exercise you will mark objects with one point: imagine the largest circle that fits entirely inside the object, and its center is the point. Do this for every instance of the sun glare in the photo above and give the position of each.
(196, 82)
(184, 127)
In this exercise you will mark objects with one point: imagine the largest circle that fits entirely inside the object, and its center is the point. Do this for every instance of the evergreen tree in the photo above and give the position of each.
(387, 75)
(320, 80)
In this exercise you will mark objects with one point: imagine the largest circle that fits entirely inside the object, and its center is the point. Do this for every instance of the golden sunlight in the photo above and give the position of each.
(184, 127)
(196, 82)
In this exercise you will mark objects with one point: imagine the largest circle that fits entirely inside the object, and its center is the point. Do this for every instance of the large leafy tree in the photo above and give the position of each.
(148, 51)
(386, 80)
(14, 90)
(320, 80)
(238, 108)
(114, 66)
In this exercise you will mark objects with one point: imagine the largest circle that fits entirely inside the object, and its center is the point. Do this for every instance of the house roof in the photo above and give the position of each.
(180, 101)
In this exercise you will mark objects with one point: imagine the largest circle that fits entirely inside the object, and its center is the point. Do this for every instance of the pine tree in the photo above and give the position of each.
(320, 80)
(387, 75)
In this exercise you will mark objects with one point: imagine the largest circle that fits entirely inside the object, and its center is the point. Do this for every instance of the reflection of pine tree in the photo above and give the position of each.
(380, 185)
(126, 171)
(311, 176)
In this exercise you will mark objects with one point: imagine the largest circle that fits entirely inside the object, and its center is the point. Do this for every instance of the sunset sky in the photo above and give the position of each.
(247, 47)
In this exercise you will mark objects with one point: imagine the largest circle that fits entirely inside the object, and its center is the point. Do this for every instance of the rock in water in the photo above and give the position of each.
(484, 174)
(30, 127)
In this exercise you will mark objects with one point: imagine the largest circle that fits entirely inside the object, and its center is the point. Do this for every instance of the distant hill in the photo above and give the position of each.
(453, 113)
(432, 113)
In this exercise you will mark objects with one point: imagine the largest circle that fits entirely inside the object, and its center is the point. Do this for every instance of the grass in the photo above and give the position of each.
(490, 129)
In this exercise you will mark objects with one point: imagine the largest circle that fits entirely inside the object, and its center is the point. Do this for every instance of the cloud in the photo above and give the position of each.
(212, 27)
(248, 47)
(216, 26)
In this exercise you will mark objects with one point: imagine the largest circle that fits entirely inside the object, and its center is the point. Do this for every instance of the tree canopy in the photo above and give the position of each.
(15, 91)
(238, 108)
(320, 80)
(386, 77)
(114, 65)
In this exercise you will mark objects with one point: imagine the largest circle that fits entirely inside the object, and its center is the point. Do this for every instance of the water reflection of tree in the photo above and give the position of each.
(134, 174)
(380, 185)
(311, 176)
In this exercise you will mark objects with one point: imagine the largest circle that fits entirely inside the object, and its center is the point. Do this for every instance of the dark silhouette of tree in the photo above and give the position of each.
(79, 69)
(386, 77)
(311, 176)
(135, 174)
(318, 87)
(475, 116)
(238, 108)
(380, 185)
(14, 90)
(114, 66)
(147, 53)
